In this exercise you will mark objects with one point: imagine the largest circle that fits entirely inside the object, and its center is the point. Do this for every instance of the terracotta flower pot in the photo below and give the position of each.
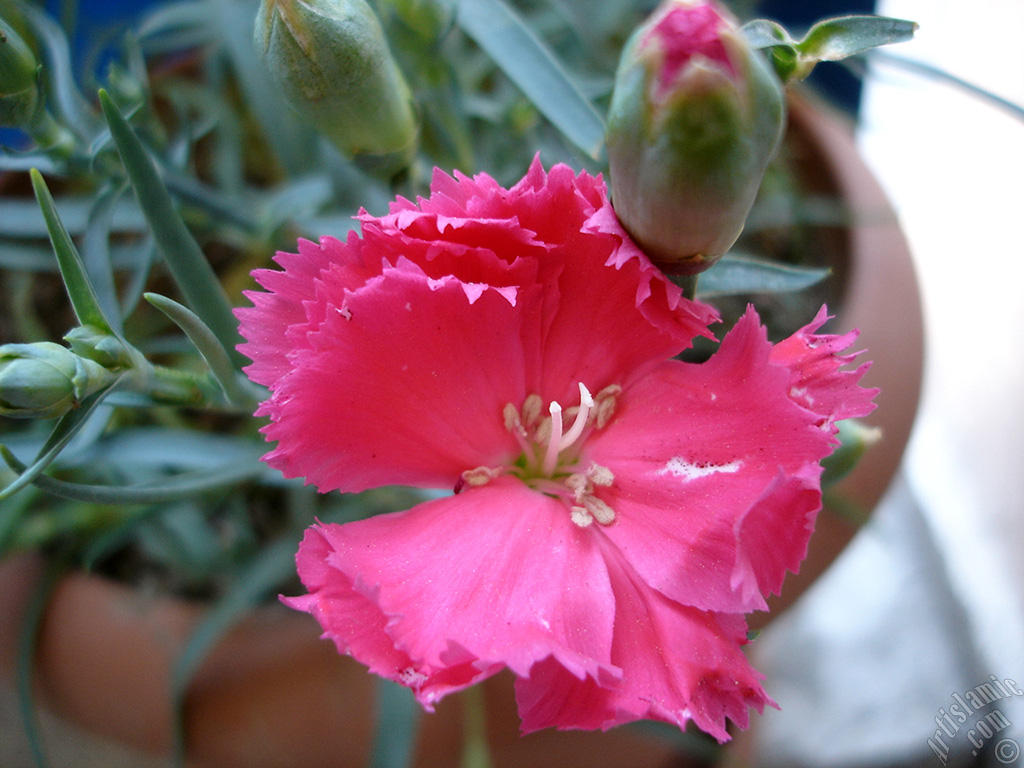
(882, 298)
(273, 694)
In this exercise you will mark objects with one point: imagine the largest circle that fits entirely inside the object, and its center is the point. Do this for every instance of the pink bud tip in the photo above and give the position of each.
(689, 30)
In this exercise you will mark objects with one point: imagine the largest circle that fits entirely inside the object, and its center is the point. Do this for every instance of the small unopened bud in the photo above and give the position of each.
(333, 63)
(19, 80)
(93, 344)
(46, 380)
(695, 117)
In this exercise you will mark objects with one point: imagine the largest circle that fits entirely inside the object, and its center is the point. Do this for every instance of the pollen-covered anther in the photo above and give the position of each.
(480, 476)
(581, 517)
(513, 422)
(604, 405)
(600, 511)
(599, 475)
(532, 407)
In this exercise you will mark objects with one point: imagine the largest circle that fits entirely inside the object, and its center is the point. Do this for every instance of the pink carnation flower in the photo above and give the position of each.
(616, 511)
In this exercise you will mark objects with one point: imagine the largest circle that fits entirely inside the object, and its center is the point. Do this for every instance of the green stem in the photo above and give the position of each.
(476, 752)
(51, 135)
(688, 283)
(182, 388)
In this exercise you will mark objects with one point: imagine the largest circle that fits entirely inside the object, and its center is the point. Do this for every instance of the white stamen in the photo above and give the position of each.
(604, 514)
(480, 475)
(606, 400)
(586, 403)
(554, 442)
(578, 484)
(532, 407)
(581, 517)
(600, 475)
(515, 425)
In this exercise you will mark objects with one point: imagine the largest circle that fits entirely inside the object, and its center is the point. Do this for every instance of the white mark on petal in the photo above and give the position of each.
(411, 678)
(801, 393)
(677, 466)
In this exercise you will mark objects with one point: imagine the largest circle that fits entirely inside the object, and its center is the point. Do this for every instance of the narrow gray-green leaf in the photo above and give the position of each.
(22, 217)
(854, 439)
(173, 17)
(394, 737)
(61, 78)
(835, 39)
(180, 486)
(28, 636)
(192, 272)
(80, 291)
(17, 162)
(736, 274)
(529, 63)
(209, 347)
(68, 426)
(96, 254)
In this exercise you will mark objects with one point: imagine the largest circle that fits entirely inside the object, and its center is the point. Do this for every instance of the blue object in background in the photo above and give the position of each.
(94, 22)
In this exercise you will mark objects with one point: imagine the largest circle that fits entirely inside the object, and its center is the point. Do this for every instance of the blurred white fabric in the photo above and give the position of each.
(929, 600)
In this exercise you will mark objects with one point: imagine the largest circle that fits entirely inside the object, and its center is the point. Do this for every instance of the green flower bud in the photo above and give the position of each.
(93, 344)
(695, 117)
(46, 380)
(19, 79)
(332, 61)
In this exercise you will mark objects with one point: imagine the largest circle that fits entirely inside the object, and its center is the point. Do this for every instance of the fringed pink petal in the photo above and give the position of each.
(496, 576)
(698, 453)
(817, 379)
(678, 664)
(403, 382)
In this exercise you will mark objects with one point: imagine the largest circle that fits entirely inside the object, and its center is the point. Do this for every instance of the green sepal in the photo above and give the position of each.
(740, 274)
(828, 40)
(855, 439)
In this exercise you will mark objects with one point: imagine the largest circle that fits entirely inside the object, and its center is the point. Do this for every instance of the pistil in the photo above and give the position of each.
(550, 456)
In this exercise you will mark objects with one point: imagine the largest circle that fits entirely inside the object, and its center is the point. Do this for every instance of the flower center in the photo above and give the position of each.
(550, 459)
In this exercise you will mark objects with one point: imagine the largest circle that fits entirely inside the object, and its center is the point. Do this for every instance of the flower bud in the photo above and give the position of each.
(46, 380)
(695, 117)
(19, 91)
(93, 344)
(332, 61)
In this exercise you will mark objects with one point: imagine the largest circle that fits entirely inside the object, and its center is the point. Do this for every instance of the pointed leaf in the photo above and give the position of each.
(192, 272)
(836, 39)
(96, 254)
(28, 636)
(529, 63)
(80, 291)
(209, 347)
(735, 274)
(60, 76)
(180, 486)
(394, 738)
(763, 33)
